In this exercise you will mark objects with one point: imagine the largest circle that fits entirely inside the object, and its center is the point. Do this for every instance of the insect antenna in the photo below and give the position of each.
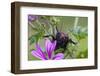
(57, 29)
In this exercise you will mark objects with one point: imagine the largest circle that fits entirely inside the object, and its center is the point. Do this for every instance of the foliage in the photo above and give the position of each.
(46, 25)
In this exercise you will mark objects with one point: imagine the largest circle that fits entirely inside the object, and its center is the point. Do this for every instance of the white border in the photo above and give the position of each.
(25, 64)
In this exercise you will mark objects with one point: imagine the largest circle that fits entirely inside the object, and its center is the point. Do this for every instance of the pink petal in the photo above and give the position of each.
(50, 47)
(40, 51)
(37, 55)
(58, 56)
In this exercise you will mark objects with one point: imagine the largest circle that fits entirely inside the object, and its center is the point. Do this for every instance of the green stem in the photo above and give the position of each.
(76, 21)
(31, 25)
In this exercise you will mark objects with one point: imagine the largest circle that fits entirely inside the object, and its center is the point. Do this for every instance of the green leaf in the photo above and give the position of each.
(79, 32)
(32, 40)
(82, 54)
(36, 37)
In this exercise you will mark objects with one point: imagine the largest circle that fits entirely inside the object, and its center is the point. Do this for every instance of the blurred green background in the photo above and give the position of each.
(75, 27)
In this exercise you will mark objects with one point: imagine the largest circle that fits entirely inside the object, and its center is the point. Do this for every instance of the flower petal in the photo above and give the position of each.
(38, 48)
(58, 56)
(32, 17)
(50, 47)
(53, 45)
(37, 55)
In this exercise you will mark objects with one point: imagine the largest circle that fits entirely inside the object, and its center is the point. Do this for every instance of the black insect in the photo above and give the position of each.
(62, 40)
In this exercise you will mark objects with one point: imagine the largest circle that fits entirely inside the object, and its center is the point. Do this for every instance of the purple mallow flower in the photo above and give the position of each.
(49, 53)
(32, 17)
